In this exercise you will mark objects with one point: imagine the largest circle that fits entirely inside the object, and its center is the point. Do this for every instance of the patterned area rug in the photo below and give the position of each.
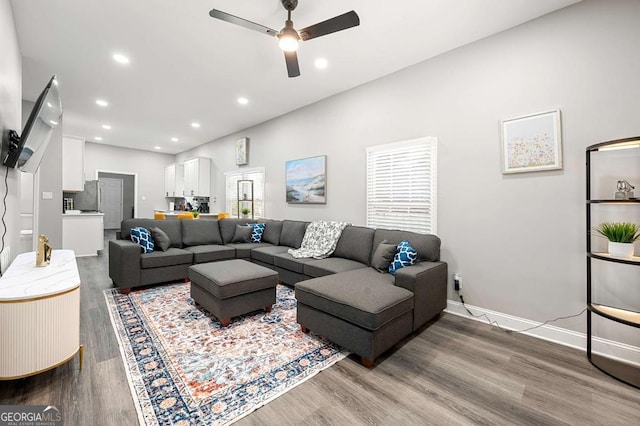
(184, 369)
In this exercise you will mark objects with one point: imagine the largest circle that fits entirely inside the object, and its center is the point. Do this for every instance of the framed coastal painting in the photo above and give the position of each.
(307, 180)
(242, 154)
(532, 143)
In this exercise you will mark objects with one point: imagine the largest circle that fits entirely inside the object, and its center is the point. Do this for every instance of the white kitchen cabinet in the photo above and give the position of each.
(174, 180)
(197, 177)
(83, 233)
(72, 164)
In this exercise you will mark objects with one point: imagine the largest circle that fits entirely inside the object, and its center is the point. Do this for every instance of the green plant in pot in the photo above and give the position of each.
(245, 212)
(621, 236)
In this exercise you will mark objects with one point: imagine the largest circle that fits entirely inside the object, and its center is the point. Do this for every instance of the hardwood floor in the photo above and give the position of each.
(453, 371)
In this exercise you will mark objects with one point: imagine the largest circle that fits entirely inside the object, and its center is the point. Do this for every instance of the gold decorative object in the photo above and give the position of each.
(43, 255)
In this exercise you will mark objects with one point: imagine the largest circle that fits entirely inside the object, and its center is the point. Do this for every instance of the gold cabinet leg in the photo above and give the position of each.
(81, 350)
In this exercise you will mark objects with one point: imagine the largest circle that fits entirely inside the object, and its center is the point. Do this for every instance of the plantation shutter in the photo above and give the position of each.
(401, 186)
(231, 184)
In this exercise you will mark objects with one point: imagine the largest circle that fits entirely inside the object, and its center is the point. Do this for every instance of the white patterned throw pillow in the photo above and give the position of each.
(142, 236)
(256, 234)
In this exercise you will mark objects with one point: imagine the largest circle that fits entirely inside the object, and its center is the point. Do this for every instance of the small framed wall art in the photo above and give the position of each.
(242, 152)
(532, 143)
(307, 180)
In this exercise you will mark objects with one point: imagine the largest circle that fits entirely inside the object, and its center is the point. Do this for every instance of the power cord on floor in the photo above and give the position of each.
(517, 331)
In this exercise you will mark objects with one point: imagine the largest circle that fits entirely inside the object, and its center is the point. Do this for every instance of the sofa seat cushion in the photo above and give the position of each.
(158, 259)
(243, 250)
(363, 297)
(265, 254)
(331, 265)
(286, 261)
(211, 253)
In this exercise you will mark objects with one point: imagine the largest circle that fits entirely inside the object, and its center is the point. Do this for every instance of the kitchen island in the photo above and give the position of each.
(83, 233)
(173, 214)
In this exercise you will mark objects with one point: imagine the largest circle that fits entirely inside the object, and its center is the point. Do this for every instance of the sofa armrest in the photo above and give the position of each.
(428, 282)
(124, 263)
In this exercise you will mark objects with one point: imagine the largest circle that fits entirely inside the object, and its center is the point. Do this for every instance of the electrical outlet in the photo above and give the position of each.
(5, 258)
(457, 282)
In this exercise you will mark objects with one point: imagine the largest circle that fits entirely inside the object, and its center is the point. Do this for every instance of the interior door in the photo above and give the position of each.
(111, 202)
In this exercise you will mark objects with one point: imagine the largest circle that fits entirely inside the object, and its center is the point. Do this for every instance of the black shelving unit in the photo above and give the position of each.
(619, 370)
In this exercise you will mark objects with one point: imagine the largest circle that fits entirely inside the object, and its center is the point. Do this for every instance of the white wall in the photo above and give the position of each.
(149, 166)
(10, 118)
(517, 240)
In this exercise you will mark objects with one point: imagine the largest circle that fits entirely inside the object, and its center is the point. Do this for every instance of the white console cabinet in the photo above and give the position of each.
(197, 177)
(39, 315)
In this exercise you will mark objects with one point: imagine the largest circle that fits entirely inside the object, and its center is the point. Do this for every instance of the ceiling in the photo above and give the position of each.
(185, 66)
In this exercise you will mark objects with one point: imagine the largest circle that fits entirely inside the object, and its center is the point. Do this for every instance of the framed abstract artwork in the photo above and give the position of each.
(307, 180)
(242, 152)
(532, 143)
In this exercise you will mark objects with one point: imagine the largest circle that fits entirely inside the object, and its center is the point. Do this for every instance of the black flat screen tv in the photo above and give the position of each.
(25, 152)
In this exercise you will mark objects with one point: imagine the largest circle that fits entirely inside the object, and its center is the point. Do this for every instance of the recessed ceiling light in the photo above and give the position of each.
(195, 125)
(243, 101)
(321, 63)
(55, 82)
(157, 147)
(174, 139)
(102, 102)
(55, 123)
(98, 138)
(120, 58)
(106, 127)
(49, 105)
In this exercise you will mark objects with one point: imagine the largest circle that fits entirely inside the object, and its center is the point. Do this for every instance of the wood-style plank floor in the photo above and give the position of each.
(453, 371)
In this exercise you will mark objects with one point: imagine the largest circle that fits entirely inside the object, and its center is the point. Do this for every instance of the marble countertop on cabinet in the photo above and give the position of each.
(23, 280)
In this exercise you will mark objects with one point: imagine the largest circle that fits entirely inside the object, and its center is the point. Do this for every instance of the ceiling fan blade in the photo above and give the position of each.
(339, 23)
(242, 22)
(293, 69)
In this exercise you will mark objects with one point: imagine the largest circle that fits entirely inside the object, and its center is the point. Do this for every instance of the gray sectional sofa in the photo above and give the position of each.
(341, 297)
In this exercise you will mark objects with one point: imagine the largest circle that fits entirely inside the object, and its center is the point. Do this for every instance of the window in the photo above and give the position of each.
(401, 185)
(232, 178)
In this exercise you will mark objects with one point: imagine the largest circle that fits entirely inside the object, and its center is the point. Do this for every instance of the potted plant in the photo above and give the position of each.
(195, 214)
(621, 236)
(245, 212)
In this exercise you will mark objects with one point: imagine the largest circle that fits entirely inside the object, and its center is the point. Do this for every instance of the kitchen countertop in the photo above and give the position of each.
(177, 212)
(83, 214)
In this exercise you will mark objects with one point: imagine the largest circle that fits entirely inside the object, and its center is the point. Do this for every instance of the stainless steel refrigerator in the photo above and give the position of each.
(89, 199)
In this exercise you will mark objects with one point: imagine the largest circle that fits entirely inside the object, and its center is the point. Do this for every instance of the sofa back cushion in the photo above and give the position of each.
(200, 232)
(272, 231)
(228, 227)
(292, 233)
(355, 243)
(171, 227)
(427, 245)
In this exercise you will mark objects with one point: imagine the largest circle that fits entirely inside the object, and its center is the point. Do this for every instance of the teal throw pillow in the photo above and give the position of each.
(256, 234)
(142, 236)
(405, 256)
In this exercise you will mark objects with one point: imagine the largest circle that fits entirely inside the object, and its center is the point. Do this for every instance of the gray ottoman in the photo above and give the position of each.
(230, 288)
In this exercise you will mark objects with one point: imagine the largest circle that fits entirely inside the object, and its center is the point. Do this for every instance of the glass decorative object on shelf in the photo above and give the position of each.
(625, 190)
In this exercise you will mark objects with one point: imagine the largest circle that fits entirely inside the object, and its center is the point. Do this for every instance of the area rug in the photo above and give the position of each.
(184, 369)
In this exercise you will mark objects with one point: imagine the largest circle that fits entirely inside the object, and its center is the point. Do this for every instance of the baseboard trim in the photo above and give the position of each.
(562, 336)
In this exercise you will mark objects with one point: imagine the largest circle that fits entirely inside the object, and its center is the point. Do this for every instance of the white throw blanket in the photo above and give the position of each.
(320, 240)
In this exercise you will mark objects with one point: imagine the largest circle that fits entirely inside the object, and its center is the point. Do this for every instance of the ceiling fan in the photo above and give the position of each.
(288, 36)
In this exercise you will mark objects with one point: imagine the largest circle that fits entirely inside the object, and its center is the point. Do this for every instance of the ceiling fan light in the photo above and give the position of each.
(288, 43)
